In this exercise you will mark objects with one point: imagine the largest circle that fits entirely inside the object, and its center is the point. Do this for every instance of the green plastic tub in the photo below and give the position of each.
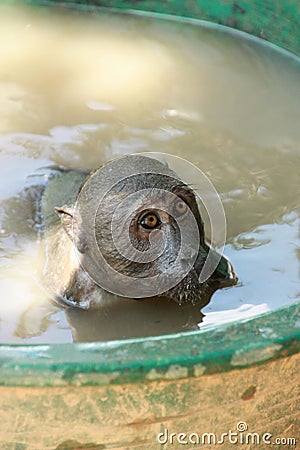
(132, 394)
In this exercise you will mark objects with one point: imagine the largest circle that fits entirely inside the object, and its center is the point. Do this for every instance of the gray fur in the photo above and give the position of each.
(67, 242)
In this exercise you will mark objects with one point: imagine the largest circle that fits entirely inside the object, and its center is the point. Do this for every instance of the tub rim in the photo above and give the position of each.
(248, 342)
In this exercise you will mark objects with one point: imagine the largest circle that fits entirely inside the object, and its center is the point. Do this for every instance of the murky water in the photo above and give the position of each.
(77, 90)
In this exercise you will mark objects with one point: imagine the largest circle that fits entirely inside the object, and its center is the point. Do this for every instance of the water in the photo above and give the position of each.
(77, 90)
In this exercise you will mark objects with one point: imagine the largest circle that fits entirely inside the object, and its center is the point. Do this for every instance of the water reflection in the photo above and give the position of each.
(125, 318)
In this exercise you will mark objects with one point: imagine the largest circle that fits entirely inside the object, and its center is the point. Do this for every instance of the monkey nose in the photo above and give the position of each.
(231, 273)
(230, 279)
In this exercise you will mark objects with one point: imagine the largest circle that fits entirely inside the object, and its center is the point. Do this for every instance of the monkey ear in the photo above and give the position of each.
(66, 214)
(164, 162)
(71, 226)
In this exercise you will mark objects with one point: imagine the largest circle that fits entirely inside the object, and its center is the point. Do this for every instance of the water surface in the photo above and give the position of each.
(77, 90)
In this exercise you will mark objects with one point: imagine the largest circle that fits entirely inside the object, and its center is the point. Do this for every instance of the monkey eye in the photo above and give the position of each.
(179, 208)
(150, 221)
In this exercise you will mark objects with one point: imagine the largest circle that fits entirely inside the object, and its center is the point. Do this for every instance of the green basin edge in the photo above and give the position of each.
(236, 345)
(277, 21)
(233, 346)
